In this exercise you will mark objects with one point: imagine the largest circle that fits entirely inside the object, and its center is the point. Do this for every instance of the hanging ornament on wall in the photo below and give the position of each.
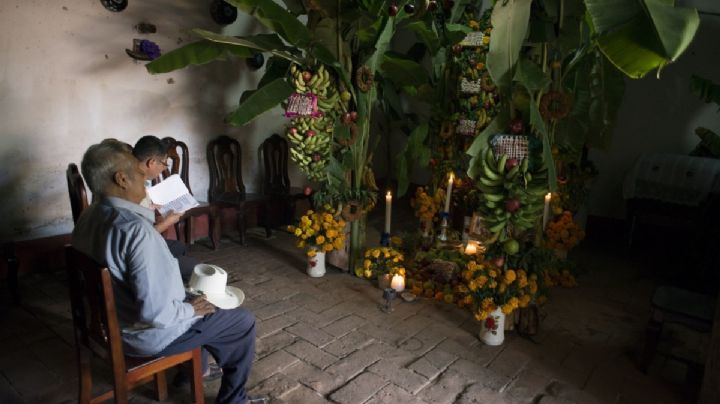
(222, 12)
(255, 61)
(114, 5)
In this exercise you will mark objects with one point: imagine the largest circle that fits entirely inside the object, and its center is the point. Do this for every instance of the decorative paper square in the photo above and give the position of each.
(514, 146)
(466, 127)
(302, 105)
(478, 230)
(469, 86)
(473, 39)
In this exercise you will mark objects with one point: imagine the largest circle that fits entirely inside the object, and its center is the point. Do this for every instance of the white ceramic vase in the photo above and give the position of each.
(316, 265)
(492, 329)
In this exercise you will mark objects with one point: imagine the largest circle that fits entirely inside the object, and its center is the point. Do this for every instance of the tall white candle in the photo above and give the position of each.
(448, 193)
(398, 283)
(546, 211)
(388, 209)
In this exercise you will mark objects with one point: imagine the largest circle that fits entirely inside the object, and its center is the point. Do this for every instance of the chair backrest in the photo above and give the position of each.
(178, 161)
(225, 160)
(77, 191)
(93, 308)
(275, 160)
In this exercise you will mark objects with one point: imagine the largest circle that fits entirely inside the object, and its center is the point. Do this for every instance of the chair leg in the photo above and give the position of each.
(196, 386)
(180, 231)
(241, 225)
(121, 386)
(85, 380)
(214, 227)
(189, 232)
(161, 392)
(652, 338)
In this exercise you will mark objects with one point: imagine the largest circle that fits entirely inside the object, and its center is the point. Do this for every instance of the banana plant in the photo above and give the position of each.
(582, 48)
(350, 38)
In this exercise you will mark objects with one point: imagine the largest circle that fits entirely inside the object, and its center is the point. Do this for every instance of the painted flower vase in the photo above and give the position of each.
(316, 265)
(492, 329)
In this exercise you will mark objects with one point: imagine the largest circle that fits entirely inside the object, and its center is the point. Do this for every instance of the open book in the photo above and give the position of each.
(171, 195)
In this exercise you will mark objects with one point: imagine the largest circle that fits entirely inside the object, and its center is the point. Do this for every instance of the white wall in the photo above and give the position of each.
(66, 83)
(658, 116)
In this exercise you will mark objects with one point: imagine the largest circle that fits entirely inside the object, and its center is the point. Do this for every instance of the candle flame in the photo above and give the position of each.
(548, 196)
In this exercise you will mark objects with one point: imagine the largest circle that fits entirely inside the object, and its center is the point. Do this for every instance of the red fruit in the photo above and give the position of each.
(510, 163)
(393, 10)
(316, 157)
(457, 49)
(310, 133)
(511, 205)
(517, 126)
(347, 118)
(433, 162)
(353, 115)
(307, 76)
(293, 131)
(409, 8)
(307, 190)
(499, 261)
(432, 6)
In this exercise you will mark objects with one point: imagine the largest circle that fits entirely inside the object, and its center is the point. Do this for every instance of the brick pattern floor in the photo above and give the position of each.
(324, 340)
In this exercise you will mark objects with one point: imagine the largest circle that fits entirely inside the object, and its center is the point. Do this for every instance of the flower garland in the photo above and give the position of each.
(563, 233)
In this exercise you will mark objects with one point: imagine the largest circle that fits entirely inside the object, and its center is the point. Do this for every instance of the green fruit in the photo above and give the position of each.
(511, 247)
(345, 96)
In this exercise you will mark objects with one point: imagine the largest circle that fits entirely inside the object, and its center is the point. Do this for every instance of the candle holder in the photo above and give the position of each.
(444, 226)
(389, 295)
(385, 239)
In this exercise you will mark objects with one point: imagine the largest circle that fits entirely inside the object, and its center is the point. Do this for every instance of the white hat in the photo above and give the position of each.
(211, 280)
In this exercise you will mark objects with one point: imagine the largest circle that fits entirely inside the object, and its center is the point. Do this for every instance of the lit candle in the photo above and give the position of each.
(471, 248)
(388, 209)
(546, 212)
(448, 193)
(398, 283)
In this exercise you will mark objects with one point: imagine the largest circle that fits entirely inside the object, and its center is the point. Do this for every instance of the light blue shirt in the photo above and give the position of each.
(148, 290)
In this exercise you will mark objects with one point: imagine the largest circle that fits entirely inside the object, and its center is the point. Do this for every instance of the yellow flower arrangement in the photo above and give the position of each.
(563, 233)
(426, 206)
(380, 261)
(489, 287)
(319, 232)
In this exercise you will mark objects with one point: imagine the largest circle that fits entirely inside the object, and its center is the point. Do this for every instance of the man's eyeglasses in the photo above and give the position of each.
(164, 162)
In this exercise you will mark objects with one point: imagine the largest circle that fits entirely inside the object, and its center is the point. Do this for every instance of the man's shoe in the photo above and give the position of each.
(214, 372)
(258, 400)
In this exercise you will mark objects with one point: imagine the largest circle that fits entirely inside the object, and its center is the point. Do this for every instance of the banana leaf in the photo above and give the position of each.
(458, 10)
(295, 7)
(705, 89)
(415, 153)
(277, 19)
(275, 68)
(426, 34)
(510, 25)
(261, 100)
(639, 36)
(455, 33)
(498, 124)
(196, 53)
(262, 42)
(401, 71)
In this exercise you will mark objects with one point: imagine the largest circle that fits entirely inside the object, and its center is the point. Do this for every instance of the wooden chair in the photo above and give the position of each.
(97, 332)
(77, 191)
(179, 163)
(276, 181)
(226, 183)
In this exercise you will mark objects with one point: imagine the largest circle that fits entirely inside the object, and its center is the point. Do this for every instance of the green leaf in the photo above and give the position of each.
(381, 44)
(458, 10)
(260, 101)
(510, 25)
(426, 34)
(642, 35)
(196, 53)
(531, 76)
(538, 124)
(705, 89)
(295, 6)
(391, 97)
(455, 33)
(402, 72)
(277, 19)
(414, 152)
(263, 42)
(275, 68)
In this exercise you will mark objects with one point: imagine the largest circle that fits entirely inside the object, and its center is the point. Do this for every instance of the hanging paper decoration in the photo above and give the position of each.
(302, 105)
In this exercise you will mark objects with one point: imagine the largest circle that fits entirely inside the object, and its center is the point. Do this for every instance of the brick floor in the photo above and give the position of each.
(325, 340)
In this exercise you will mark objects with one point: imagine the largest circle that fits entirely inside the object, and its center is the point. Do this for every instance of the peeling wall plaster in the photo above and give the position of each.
(66, 83)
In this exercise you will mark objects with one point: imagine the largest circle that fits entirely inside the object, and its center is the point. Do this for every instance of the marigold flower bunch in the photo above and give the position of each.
(383, 260)
(319, 232)
(489, 287)
(426, 206)
(563, 233)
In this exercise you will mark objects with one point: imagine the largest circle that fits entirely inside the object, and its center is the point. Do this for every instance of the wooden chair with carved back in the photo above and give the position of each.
(77, 191)
(226, 182)
(179, 163)
(97, 332)
(276, 181)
